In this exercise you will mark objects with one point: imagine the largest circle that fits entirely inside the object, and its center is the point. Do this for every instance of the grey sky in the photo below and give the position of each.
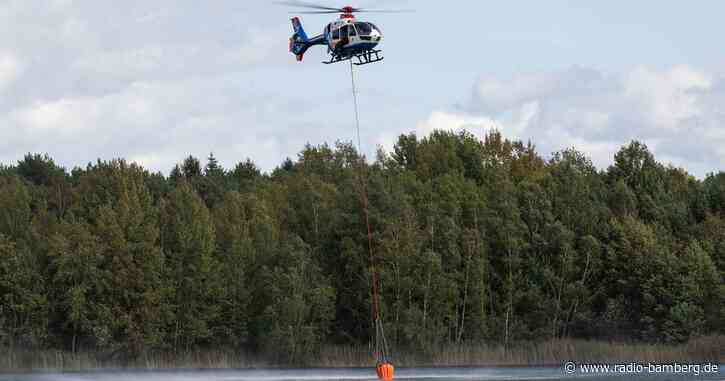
(156, 81)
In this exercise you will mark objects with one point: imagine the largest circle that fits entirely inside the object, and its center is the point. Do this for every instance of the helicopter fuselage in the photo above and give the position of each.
(345, 38)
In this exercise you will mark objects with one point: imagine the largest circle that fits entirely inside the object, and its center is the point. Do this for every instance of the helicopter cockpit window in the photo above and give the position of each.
(351, 30)
(363, 28)
(336, 34)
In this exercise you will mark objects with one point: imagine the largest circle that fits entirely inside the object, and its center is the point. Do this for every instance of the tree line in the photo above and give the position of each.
(476, 241)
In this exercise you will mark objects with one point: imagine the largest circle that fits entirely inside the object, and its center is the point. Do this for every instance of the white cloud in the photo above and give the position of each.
(675, 111)
(154, 82)
(440, 120)
(10, 69)
(151, 83)
(154, 123)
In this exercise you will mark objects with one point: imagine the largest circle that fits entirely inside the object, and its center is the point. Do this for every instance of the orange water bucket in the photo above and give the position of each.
(385, 371)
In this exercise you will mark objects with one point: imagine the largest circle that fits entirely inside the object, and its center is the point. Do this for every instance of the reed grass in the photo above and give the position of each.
(552, 352)
(22, 360)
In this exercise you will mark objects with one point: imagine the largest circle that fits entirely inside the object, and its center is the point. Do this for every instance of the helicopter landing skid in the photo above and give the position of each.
(364, 58)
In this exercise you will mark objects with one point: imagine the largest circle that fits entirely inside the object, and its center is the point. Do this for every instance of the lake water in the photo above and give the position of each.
(406, 374)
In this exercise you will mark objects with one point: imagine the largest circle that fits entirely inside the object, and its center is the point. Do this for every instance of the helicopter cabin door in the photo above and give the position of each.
(347, 32)
(351, 33)
(335, 37)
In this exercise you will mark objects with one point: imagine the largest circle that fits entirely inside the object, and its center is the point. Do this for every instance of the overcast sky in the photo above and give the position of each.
(154, 81)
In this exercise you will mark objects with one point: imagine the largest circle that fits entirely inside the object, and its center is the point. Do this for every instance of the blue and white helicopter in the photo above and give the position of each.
(346, 38)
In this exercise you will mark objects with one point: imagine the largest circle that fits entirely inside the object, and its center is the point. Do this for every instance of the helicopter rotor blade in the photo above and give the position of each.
(384, 11)
(315, 12)
(322, 9)
(304, 4)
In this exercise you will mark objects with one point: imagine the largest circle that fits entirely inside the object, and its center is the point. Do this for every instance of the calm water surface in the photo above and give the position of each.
(409, 374)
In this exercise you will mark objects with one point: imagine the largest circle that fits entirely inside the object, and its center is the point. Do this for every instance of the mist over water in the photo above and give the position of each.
(341, 374)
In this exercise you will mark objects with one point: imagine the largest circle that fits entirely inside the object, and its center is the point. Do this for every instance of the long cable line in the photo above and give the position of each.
(381, 345)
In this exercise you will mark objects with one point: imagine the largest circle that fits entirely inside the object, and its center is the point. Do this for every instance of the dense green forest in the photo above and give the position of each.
(476, 242)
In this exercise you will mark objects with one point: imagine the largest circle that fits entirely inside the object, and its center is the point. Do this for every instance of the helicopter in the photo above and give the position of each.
(346, 38)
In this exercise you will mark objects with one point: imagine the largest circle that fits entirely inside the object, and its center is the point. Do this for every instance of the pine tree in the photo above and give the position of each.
(120, 213)
(301, 306)
(23, 298)
(190, 268)
(78, 284)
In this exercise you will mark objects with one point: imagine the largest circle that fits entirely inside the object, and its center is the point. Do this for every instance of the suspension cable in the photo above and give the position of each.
(381, 349)
(357, 114)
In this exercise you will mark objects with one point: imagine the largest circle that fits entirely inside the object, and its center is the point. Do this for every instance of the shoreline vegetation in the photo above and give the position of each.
(474, 241)
(546, 353)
